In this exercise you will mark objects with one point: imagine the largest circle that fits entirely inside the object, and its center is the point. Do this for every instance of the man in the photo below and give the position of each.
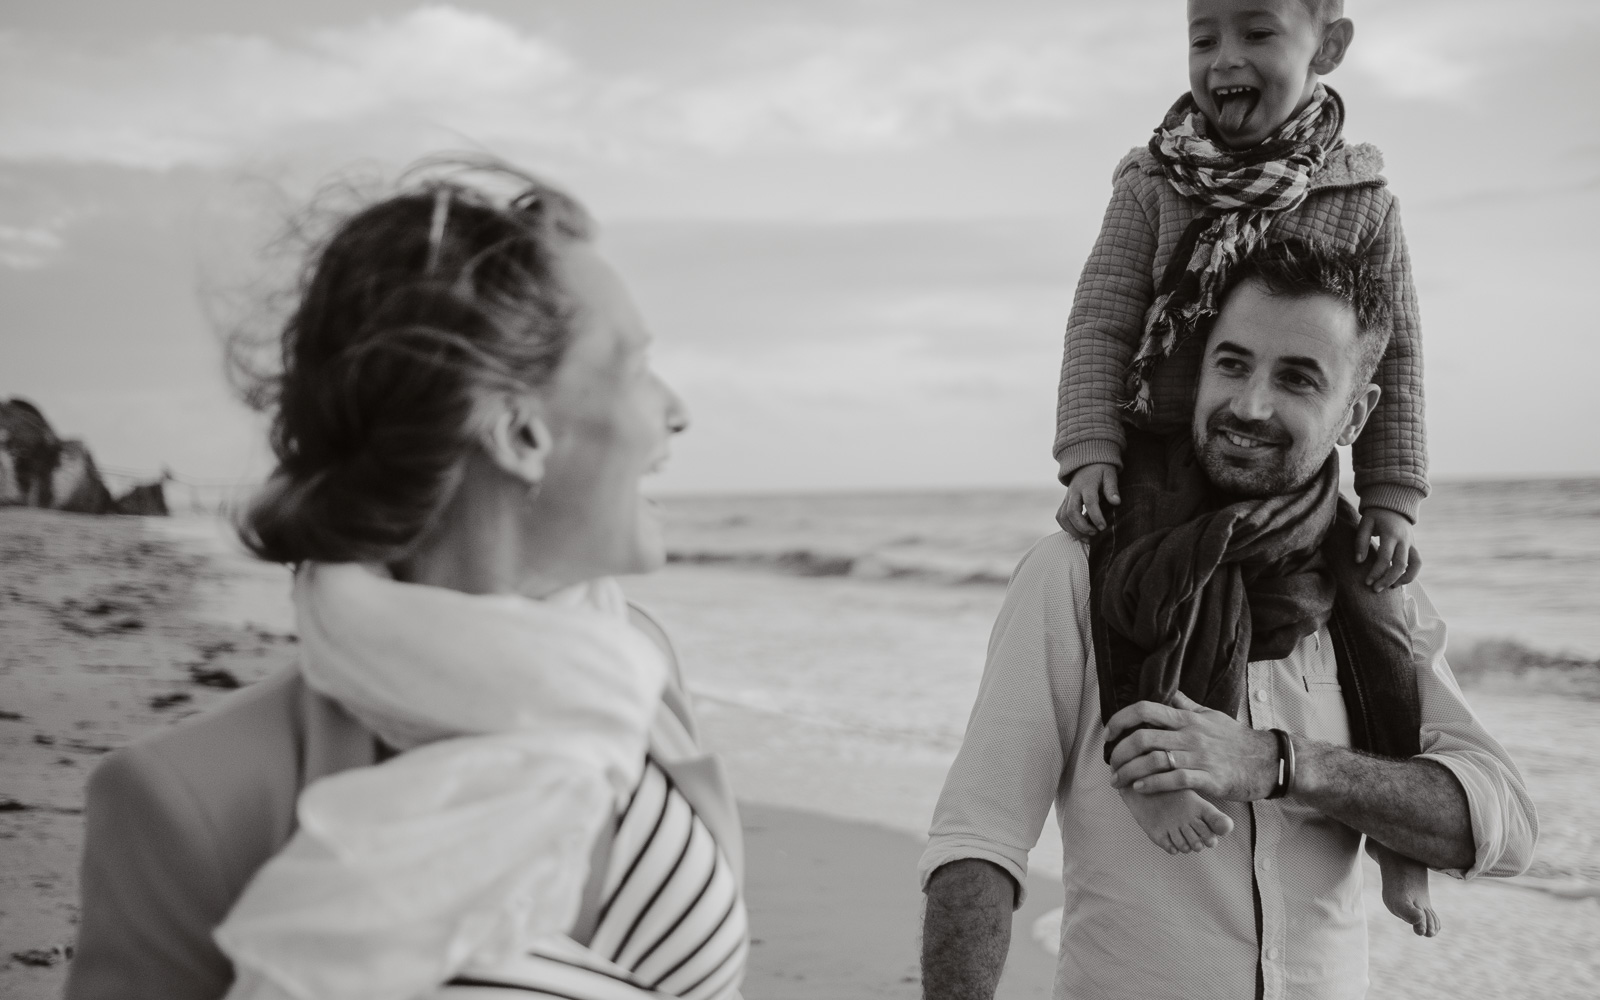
(1273, 906)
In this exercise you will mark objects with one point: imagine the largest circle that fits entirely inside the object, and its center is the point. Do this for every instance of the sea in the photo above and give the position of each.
(1516, 560)
(835, 642)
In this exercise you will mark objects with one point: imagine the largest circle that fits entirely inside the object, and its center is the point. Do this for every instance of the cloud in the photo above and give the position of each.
(1441, 50)
(875, 77)
(27, 248)
(207, 100)
(399, 83)
(1410, 67)
(34, 224)
(880, 86)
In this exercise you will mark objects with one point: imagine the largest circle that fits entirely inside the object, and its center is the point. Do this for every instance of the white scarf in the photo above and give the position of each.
(525, 724)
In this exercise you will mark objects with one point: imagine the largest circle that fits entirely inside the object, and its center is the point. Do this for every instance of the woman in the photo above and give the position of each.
(483, 772)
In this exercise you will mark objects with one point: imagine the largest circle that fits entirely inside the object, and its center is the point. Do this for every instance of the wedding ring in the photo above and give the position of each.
(1172, 765)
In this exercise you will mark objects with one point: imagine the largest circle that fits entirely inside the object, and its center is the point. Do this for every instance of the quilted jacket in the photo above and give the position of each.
(1349, 205)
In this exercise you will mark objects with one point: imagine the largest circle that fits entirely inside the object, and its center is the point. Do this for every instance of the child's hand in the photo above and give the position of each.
(1395, 560)
(1081, 515)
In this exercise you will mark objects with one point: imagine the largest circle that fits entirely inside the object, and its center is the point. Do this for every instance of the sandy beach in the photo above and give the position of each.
(110, 628)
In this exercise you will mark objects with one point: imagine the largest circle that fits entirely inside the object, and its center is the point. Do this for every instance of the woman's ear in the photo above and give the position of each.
(517, 439)
(1360, 412)
(1335, 44)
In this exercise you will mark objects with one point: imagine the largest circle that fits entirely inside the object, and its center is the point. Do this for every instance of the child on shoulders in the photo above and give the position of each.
(1254, 151)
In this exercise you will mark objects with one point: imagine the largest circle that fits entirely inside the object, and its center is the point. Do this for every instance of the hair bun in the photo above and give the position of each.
(401, 325)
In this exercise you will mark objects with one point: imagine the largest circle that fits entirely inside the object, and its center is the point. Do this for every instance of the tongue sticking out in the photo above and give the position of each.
(1234, 109)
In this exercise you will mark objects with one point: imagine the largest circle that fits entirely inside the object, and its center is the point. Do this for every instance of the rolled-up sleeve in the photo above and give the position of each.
(1005, 778)
(1505, 826)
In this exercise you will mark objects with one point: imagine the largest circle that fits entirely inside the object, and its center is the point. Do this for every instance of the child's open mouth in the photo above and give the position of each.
(1234, 105)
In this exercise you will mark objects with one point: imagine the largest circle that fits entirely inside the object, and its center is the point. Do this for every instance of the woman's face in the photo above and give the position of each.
(611, 418)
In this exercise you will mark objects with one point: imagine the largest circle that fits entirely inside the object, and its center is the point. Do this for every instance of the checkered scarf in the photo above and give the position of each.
(1239, 191)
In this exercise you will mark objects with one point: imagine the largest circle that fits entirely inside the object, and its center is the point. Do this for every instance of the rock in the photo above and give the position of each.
(161, 702)
(149, 500)
(38, 469)
(75, 483)
(220, 677)
(42, 958)
(29, 448)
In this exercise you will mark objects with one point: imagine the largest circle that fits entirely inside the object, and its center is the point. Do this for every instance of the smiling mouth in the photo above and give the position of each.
(1234, 105)
(1240, 441)
(1253, 440)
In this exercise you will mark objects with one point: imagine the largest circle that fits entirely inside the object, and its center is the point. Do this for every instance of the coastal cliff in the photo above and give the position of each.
(39, 469)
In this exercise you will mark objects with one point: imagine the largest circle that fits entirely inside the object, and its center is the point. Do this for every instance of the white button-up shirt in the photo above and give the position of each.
(1144, 925)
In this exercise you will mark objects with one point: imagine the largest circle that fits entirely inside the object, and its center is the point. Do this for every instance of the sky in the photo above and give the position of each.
(855, 226)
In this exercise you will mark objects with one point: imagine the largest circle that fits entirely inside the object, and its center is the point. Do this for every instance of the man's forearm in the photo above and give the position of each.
(1414, 807)
(966, 930)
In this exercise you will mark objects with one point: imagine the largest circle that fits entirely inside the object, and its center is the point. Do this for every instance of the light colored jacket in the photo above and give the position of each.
(179, 822)
(1349, 205)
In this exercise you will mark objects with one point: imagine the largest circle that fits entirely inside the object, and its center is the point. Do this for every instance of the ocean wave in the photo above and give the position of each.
(931, 568)
(1509, 659)
(764, 703)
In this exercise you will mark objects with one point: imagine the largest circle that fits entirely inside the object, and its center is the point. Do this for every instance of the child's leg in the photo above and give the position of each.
(1178, 822)
(1373, 636)
(1405, 889)
(1153, 487)
(1371, 633)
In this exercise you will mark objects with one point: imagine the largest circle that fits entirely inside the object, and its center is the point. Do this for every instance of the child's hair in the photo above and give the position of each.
(1324, 12)
(1301, 268)
(409, 312)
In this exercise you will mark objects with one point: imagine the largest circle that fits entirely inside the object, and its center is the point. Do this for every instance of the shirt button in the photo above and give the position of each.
(1272, 954)
(1265, 864)
(1261, 695)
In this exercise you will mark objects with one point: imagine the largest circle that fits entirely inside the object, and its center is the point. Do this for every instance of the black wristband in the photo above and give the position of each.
(1288, 765)
(1285, 780)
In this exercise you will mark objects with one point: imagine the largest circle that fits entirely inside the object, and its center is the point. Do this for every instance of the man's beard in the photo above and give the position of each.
(1283, 469)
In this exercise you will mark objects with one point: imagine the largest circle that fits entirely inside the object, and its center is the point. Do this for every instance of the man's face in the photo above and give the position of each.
(1276, 390)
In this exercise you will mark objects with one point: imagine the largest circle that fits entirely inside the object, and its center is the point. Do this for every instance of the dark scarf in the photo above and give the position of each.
(1195, 586)
(1189, 585)
(1239, 193)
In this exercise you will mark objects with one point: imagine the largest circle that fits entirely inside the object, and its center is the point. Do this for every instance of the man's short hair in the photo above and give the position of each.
(1300, 268)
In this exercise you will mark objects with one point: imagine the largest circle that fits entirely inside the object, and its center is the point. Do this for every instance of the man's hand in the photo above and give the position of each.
(1191, 746)
(1395, 559)
(1081, 514)
(1414, 807)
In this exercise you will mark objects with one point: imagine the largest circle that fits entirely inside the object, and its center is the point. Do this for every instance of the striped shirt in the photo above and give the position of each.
(1143, 925)
(672, 923)
(671, 920)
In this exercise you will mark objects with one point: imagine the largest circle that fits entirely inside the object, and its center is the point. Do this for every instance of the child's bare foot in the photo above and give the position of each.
(1178, 822)
(1405, 889)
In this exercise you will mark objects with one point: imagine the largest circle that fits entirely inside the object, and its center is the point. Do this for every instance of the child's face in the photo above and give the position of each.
(1251, 64)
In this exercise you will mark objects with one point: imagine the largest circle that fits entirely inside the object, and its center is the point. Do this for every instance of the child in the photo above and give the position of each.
(1256, 145)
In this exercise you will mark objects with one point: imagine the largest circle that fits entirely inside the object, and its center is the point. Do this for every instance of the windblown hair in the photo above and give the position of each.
(410, 311)
(1299, 268)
